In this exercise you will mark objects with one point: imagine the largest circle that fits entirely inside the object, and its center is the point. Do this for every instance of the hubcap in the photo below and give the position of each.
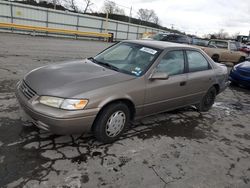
(115, 123)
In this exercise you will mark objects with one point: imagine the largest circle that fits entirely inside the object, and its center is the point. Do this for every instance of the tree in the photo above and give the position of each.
(148, 15)
(156, 20)
(234, 36)
(222, 34)
(74, 5)
(87, 6)
(71, 4)
(111, 8)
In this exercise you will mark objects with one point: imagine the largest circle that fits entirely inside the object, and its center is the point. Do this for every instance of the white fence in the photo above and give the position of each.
(36, 16)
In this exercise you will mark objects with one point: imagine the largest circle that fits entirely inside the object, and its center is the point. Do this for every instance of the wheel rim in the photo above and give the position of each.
(115, 123)
(209, 99)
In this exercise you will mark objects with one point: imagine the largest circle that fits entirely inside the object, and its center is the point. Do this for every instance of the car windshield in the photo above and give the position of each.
(159, 36)
(129, 58)
(200, 42)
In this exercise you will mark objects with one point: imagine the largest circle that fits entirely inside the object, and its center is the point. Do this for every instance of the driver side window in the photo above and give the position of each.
(172, 63)
(233, 46)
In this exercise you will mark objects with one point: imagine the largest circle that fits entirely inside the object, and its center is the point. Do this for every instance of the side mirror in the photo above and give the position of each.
(159, 76)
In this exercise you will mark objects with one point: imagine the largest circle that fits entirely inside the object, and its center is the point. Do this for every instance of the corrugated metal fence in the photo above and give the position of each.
(36, 16)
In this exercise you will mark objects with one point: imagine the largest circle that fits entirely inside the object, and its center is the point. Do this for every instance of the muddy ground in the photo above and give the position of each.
(183, 148)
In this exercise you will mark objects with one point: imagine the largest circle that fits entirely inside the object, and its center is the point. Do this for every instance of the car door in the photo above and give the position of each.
(233, 56)
(200, 76)
(221, 50)
(162, 95)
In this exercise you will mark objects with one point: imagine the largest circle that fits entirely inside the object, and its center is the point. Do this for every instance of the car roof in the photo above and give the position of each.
(160, 44)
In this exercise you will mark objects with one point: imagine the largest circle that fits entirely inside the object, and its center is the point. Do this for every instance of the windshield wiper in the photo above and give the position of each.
(107, 65)
(93, 60)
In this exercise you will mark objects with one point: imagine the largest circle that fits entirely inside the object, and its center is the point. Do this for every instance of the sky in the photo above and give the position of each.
(193, 16)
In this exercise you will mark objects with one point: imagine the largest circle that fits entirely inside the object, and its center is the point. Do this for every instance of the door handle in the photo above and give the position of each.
(183, 83)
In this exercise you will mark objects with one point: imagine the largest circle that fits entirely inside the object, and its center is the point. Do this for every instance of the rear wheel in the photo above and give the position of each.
(111, 122)
(215, 57)
(241, 59)
(208, 100)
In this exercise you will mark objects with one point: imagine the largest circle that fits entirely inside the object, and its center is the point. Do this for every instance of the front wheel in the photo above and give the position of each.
(111, 122)
(207, 100)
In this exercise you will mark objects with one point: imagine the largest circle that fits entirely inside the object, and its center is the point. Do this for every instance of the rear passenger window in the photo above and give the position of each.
(197, 62)
(172, 63)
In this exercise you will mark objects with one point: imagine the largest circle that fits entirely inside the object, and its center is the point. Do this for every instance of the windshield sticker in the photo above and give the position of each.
(136, 73)
(148, 50)
(137, 68)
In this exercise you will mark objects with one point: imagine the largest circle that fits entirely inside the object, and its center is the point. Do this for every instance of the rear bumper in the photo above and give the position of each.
(224, 86)
(58, 121)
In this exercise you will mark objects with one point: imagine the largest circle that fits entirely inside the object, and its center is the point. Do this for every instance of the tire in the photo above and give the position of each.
(241, 59)
(215, 57)
(232, 83)
(114, 116)
(207, 101)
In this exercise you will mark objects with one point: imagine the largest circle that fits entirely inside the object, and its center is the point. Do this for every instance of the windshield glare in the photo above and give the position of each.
(158, 36)
(129, 58)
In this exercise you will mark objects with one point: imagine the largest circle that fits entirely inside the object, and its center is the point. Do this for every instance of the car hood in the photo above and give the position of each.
(245, 65)
(72, 78)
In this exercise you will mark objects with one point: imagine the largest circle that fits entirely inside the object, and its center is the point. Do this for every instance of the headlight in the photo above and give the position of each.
(51, 101)
(66, 104)
(74, 104)
(235, 67)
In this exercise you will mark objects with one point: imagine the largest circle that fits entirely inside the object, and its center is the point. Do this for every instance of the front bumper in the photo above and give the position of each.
(237, 78)
(55, 120)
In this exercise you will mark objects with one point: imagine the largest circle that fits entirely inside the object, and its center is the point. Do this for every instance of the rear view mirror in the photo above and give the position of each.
(159, 76)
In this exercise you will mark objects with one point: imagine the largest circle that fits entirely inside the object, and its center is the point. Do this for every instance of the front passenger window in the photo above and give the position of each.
(172, 63)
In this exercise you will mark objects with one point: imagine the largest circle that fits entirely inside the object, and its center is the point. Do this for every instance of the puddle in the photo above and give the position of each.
(80, 159)
(96, 153)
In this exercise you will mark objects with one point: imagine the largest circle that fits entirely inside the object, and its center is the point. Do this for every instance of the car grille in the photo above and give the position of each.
(26, 90)
(244, 73)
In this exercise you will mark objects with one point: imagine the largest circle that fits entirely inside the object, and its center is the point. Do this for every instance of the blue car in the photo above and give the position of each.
(240, 74)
